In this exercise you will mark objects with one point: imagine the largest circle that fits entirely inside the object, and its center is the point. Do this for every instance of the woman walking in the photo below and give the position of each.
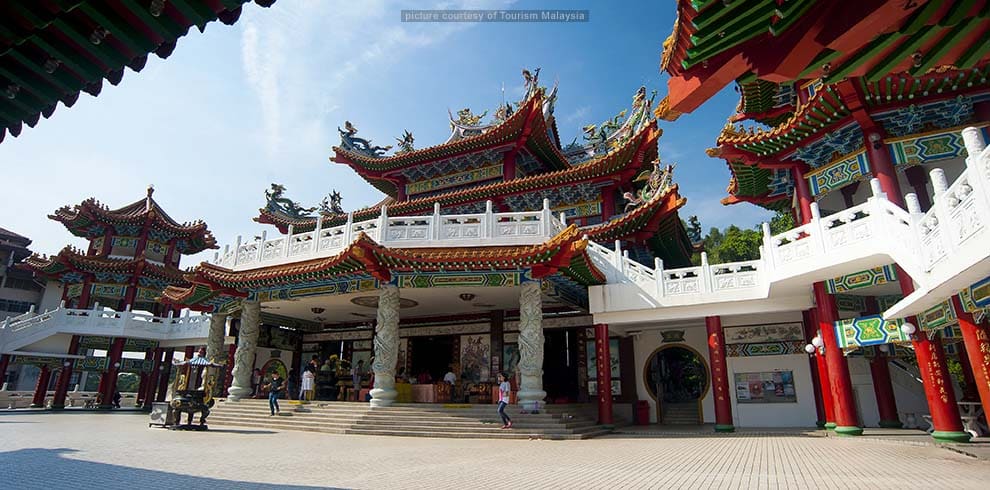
(504, 388)
(308, 378)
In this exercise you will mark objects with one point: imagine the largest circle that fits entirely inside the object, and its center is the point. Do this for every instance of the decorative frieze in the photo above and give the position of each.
(455, 179)
(863, 279)
(868, 330)
(928, 148)
(838, 174)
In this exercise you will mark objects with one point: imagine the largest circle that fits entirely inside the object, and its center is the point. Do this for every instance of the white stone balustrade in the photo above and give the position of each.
(943, 250)
(15, 334)
(435, 230)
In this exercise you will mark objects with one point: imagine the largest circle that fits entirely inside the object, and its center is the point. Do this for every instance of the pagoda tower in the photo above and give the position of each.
(133, 255)
(473, 217)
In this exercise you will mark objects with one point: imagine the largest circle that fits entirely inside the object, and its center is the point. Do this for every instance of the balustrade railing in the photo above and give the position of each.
(917, 241)
(97, 321)
(435, 230)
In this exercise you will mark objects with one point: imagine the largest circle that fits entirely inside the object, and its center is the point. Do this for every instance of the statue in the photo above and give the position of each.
(283, 205)
(361, 145)
(405, 142)
(466, 118)
(531, 81)
(331, 204)
(503, 112)
(658, 180)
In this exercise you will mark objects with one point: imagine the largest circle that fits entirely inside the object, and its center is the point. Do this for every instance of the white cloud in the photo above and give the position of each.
(577, 115)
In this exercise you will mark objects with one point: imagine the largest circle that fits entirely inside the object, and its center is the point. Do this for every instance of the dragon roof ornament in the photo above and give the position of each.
(612, 134)
(657, 180)
(277, 203)
(350, 142)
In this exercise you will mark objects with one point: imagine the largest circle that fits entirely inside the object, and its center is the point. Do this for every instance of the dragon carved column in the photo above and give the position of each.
(214, 343)
(386, 347)
(531, 339)
(247, 340)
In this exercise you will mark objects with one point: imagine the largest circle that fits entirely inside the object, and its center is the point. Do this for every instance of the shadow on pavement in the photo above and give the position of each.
(27, 468)
(243, 431)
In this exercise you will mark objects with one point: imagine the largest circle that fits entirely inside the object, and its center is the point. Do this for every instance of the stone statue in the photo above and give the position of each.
(658, 180)
(467, 118)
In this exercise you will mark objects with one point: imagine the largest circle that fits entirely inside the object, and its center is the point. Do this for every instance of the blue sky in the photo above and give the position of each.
(237, 108)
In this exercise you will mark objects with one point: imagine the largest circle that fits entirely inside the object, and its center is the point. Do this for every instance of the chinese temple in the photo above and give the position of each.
(133, 255)
(843, 108)
(475, 262)
(50, 51)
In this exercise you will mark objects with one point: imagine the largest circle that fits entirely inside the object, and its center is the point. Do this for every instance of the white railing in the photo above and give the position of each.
(435, 230)
(877, 230)
(24, 331)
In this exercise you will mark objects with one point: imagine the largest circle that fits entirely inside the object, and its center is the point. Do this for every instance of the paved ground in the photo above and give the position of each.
(119, 451)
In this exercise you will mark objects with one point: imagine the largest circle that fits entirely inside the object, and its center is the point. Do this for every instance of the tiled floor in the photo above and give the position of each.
(120, 451)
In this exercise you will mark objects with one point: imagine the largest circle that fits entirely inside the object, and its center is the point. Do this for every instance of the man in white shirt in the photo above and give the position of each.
(450, 378)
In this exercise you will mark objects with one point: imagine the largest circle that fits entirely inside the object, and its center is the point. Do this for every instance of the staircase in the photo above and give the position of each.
(416, 420)
(680, 413)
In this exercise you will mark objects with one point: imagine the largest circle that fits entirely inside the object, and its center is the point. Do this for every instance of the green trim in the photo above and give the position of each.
(820, 424)
(829, 425)
(950, 436)
(724, 428)
(848, 430)
(891, 424)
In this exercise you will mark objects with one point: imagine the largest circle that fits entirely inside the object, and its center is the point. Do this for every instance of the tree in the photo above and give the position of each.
(781, 222)
(737, 245)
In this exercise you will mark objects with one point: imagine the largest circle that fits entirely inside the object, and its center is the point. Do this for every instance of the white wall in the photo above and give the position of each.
(800, 414)
(51, 297)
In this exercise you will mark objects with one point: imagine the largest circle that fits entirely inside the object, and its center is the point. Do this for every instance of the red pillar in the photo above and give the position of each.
(884, 390)
(165, 372)
(41, 388)
(882, 165)
(938, 388)
(838, 371)
(977, 343)
(720, 374)
(4, 364)
(810, 331)
(148, 395)
(603, 365)
(802, 193)
(969, 393)
(145, 377)
(109, 379)
(64, 375)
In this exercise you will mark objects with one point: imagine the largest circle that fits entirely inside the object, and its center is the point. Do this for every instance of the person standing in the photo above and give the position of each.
(357, 372)
(308, 380)
(275, 387)
(255, 383)
(504, 388)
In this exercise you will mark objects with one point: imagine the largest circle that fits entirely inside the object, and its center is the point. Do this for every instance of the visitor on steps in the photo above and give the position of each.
(357, 372)
(308, 380)
(255, 382)
(275, 387)
(504, 388)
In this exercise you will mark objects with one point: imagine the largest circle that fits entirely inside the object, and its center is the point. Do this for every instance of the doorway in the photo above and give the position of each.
(560, 365)
(431, 354)
(677, 378)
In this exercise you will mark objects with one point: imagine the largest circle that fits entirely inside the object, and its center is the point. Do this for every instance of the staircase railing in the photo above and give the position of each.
(918, 242)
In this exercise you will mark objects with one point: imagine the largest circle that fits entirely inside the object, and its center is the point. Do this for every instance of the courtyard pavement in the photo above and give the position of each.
(107, 451)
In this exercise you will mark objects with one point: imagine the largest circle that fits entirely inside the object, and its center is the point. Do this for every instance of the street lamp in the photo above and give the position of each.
(908, 328)
(810, 349)
(816, 341)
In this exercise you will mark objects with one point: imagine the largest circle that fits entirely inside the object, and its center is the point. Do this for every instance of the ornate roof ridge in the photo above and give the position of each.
(650, 130)
(74, 257)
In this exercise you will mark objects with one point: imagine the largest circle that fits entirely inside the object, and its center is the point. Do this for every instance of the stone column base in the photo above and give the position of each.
(724, 428)
(947, 436)
(820, 424)
(846, 430)
(236, 393)
(829, 425)
(531, 401)
(383, 397)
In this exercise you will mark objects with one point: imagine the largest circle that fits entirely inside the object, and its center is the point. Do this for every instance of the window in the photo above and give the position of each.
(15, 306)
(25, 284)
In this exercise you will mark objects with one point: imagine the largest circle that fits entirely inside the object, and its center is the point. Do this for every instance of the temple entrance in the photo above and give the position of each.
(432, 355)
(560, 365)
(677, 378)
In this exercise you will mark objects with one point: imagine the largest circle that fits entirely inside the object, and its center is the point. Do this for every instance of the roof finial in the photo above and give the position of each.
(151, 190)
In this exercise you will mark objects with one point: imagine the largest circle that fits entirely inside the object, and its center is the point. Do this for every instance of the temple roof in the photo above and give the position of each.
(714, 43)
(90, 218)
(52, 50)
(72, 260)
(564, 253)
(630, 157)
(527, 123)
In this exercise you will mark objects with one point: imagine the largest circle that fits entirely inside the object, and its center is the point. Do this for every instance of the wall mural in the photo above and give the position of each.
(764, 333)
(476, 358)
(510, 359)
(765, 387)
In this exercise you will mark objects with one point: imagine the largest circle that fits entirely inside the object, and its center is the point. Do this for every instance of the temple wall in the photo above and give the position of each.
(649, 341)
(799, 414)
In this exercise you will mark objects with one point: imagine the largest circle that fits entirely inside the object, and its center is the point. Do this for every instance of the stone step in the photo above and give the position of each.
(404, 415)
(435, 423)
(277, 423)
